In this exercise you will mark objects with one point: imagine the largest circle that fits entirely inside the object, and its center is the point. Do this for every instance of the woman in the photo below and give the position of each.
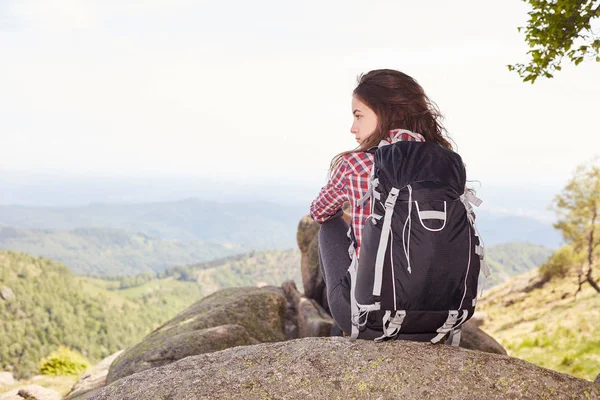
(385, 104)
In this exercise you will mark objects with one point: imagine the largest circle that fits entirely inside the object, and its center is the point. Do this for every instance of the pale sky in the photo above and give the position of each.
(261, 90)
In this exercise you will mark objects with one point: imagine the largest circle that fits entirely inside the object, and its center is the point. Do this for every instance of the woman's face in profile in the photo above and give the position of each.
(365, 120)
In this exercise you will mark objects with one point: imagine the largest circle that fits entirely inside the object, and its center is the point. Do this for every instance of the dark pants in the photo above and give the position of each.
(334, 260)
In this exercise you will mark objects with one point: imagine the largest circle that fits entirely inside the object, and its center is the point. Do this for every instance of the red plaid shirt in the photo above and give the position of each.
(349, 182)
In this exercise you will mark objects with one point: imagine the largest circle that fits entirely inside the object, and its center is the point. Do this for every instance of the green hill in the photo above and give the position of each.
(51, 307)
(97, 317)
(271, 267)
(105, 251)
(546, 324)
(511, 259)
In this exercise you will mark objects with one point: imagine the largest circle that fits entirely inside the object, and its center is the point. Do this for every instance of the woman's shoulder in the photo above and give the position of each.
(358, 162)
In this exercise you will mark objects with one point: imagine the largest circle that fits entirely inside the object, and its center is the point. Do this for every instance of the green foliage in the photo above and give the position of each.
(104, 251)
(186, 273)
(137, 280)
(578, 206)
(270, 267)
(558, 29)
(560, 263)
(97, 317)
(53, 308)
(64, 361)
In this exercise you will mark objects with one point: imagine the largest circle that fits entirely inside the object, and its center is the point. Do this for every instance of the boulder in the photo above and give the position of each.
(312, 280)
(6, 293)
(11, 395)
(473, 338)
(92, 379)
(36, 392)
(31, 392)
(311, 319)
(478, 318)
(7, 379)
(228, 318)
(307, 238)
(328, 368)
(597, 380)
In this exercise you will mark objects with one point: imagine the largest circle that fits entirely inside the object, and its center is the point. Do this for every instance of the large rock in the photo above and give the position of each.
(7, 379)
(307, 238)
(31, 392)
(311, 319)
(6, 293)
(312, 280)
(478, 318)
(92, 379)
(335, 368)
(228, 318)
(474, 338)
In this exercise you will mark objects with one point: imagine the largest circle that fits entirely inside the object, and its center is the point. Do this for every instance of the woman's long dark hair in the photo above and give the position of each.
(399, 103)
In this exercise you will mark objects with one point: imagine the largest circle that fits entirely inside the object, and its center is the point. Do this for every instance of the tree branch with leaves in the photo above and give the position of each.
(557, 29)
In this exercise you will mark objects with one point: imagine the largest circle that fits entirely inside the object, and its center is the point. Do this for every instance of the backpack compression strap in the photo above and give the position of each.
(354, 312)
(390, 202)
(467, 199)
(357, 313)
(453, 323)
(391, 326)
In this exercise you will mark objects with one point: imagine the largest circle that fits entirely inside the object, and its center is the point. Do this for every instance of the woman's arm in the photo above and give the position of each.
(332, 196)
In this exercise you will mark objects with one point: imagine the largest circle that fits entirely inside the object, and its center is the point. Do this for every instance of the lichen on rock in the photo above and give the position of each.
(332, 368)
(230, 317)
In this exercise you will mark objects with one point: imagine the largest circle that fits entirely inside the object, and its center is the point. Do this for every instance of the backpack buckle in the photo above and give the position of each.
(471, 198)
(390, 201)
(391, 326)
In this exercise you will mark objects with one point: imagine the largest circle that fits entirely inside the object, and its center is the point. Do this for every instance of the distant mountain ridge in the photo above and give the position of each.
(254, 225)
(500, 228)
(107, 251)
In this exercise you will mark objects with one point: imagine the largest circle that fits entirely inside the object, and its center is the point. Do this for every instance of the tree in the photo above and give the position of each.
(560, 263)
(578, 208)
(558, 29)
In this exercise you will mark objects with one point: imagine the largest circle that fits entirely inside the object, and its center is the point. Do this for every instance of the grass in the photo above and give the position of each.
(548, 326)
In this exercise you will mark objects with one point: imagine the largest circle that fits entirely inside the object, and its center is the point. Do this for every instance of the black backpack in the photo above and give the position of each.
(420, 254)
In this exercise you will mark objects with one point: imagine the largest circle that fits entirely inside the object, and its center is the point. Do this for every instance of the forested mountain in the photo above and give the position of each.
(51, 307)
(272, 267)
(106, 251)
(43, 305)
